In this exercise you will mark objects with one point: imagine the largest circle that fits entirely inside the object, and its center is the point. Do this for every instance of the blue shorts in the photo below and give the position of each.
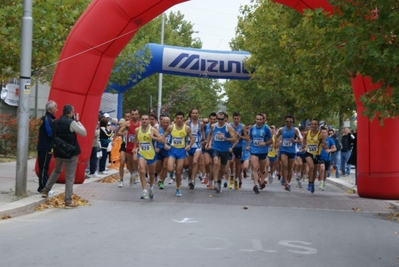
(149, 161)
(162, 154)
(192, 151)
(302, 156)
(244, 157)
(289, 155)
(273, 159)
(177, 153)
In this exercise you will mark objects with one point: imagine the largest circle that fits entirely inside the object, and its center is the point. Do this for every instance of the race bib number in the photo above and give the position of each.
(270, 149)
(168, 139)
(145, 146)
(130, 138)
(287, 143)
(177, 141)
(218, 138)
(312, 148)
(258, 141)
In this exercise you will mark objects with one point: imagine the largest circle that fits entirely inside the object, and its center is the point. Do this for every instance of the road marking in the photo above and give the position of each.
(257, 246)
(305, 251)
(185, 220)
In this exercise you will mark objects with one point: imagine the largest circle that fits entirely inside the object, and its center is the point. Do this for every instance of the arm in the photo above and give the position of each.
(209, 139)
(233, 137)
(299, 136)
(323, 142)
(78, 128)
(156, 136)
(47, 126)
(192, 140)
(135, 141)
(121, 129)
(269, 136)
(165, 134)
(333, 148)
(244, 133)
(202, 131)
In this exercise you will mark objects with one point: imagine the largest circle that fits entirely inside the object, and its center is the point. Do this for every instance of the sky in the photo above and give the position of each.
(215, 20)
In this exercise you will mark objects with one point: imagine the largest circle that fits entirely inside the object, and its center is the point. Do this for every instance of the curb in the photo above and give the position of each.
(29, 204)
(342, 184)
(347, 186)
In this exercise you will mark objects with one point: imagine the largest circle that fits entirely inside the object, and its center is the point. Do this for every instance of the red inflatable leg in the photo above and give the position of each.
(377, 157)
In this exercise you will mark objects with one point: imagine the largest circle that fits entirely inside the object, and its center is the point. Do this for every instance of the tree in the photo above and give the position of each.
(296, 69)
(366, 34)
(52, 22)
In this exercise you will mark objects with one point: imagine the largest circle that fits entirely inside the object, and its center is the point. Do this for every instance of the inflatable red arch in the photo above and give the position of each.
(107, 26)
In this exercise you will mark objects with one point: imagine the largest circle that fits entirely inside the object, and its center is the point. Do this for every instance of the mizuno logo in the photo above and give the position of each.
(195, 62)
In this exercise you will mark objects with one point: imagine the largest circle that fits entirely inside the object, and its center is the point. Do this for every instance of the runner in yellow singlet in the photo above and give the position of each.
(145, 137)
(178, 147)
(313, 144)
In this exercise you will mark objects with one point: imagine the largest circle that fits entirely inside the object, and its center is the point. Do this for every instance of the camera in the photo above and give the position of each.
(76, 116)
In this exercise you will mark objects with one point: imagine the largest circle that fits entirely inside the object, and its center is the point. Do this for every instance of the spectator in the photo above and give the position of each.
(353, 158)
(66, 128)
(44, 153)
(347, 140)
(105, 140)
(93, 155)
(335, 156)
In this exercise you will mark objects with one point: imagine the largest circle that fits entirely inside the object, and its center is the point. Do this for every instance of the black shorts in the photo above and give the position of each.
(224, 156)
(123, 147)
(327, 164)
(316, 158)
(260, 156)
(237, 151)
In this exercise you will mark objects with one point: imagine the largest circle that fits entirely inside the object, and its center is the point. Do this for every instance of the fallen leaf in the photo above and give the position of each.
(210, 196)
(5, 217)
(109, 180)
(391, 207)
(356, 209)
(58, 202)
(245, 207)
(351, 191)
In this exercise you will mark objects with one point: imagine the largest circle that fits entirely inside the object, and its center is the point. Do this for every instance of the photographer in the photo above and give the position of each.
(66, 128)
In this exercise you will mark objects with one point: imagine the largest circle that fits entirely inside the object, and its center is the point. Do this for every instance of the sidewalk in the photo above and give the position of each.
(11, 205)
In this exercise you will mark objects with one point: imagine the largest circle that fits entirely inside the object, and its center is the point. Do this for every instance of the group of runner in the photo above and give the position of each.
(214, 150)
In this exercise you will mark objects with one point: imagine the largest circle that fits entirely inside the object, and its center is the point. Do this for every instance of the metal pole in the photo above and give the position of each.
(36, 96)
(160, 75)
(24, 93)
(150, 104)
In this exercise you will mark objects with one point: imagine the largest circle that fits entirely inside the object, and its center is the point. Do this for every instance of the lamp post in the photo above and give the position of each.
(159, 106)
(23, 107)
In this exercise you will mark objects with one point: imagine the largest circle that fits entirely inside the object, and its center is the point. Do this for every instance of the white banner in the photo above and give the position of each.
(204, 63)
(10, 94)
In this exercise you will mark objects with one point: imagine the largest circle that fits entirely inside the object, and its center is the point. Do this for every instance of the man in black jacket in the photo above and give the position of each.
(66, 128)
(44, 153)
(347, 141)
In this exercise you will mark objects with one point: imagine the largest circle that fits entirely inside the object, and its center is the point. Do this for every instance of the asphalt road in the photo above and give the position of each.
(119, 229)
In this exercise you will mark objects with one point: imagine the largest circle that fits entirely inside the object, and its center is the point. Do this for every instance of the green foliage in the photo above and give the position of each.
(52, 22)
(297, 70)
